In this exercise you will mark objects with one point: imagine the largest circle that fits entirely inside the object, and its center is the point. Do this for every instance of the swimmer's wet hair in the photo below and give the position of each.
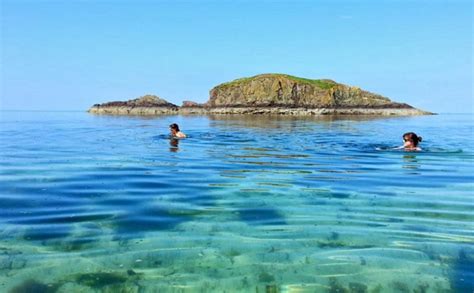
(412, 137)
(174, 126)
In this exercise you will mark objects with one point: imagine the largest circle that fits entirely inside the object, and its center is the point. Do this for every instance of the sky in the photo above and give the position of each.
(68, 55)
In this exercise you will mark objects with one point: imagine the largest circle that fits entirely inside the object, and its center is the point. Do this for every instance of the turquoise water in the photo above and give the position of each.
(245, 204)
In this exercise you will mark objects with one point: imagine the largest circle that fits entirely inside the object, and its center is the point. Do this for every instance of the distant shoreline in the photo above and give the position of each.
(293, 111)
(82, 111)
(270, 93)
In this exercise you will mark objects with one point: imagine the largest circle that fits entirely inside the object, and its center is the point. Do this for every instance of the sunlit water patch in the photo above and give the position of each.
(249, 204)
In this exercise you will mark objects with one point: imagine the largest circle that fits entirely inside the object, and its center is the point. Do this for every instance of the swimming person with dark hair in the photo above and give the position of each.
(411, 141)
(175, 132)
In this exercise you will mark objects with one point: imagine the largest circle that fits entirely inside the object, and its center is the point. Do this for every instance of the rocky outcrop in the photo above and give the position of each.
(272, 90)
(298, 111)
(146, 105)
(271, 94)
(286, 94)
(192, 104)
(282, 90)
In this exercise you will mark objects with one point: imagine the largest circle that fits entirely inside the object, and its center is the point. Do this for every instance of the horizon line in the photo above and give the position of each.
(85, 111)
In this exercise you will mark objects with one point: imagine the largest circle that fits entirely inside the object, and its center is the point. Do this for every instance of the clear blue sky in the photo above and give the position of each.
(68, 55)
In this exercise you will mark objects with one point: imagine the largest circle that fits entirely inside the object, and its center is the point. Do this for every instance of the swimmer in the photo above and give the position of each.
(174, 129)
(410, 142)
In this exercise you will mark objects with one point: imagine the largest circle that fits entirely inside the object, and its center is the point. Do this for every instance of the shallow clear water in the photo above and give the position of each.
(252, 204)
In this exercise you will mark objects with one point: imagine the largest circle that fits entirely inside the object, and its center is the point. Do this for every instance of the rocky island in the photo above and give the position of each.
(270, 94)
(146, 105)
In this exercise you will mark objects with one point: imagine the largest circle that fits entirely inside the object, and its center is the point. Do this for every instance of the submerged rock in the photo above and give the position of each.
(261, 216)
(100, 279)
(33, 286)
(462, 279)
(36, 233)
(357, 287)
(266, 277)
(336, 287)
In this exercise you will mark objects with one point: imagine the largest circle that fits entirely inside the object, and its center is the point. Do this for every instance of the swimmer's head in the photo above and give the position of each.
(174, 127)
(411, 139)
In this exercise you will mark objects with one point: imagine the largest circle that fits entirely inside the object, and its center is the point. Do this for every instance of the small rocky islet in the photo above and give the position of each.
(270, 94)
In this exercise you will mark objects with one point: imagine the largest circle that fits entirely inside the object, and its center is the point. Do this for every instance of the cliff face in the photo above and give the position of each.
(289, 91)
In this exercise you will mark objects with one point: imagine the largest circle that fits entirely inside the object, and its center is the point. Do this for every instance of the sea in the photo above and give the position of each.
(243, 204)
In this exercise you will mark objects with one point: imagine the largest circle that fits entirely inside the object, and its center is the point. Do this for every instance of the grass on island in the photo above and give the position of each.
(321, 83)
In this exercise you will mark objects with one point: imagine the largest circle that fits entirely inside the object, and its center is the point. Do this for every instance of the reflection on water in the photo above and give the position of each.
(174, 144)
(411, 163)
(269, 121)
(279, 204)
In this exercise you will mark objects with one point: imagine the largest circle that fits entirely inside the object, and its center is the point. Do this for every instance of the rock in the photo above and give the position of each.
(270, 94)
(144, 101)
(272, 90)
(192, 104)
(145, 105)
(280, 90)
(31, 285)
(308, 111)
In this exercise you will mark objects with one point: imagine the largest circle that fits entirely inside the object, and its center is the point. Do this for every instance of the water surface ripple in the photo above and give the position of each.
(275, 204)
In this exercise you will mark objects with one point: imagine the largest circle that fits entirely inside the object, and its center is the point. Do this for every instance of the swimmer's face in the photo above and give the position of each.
(408, 142)
(172, 130)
